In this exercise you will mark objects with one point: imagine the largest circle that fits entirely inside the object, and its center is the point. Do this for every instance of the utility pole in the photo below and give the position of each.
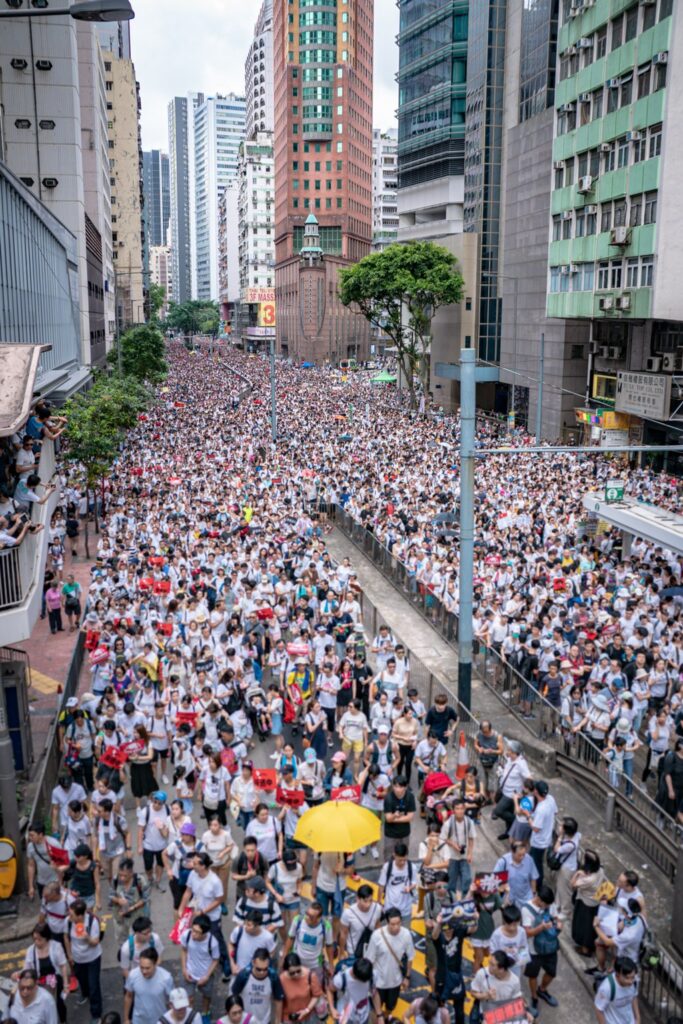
(541, 371)
(468, 412)
(273, 405)
(8, 787)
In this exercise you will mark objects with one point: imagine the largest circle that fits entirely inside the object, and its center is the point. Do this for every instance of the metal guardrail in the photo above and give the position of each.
(638, 816)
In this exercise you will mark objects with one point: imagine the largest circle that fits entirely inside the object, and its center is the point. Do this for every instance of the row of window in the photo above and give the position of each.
(317, 165)
(628, 211)
(634, 272)
(625, 26)
(317, 204)
(629, 149)
(615, 94)
(317, 184)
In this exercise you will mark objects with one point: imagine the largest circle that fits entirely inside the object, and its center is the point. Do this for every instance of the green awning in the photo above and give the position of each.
(383, 378)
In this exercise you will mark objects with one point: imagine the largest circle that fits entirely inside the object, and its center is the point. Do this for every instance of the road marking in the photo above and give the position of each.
(43, 683)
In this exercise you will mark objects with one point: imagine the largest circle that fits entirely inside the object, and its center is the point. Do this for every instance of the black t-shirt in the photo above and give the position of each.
(449, 951)
(361, 674)
(392, 804)
(438, 721)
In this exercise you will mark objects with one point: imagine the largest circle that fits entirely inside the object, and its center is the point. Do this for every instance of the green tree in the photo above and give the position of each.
(142, 354)
(401, 289)
(157, 294)
(97, 421)
(196, 316)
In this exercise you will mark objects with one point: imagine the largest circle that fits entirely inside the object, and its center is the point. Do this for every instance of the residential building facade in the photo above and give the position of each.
(384, 186)
(323, 160)
(156, 190)
(228, 248)
(127, 199)
(218, 131)
(258, 75)
(256, 215)
(615, 224)
(161, 272)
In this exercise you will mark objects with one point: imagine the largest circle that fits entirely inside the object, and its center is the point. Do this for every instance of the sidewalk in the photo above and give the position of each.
(425, 643)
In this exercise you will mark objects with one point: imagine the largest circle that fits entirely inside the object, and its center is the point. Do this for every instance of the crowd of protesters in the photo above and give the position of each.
(218, 620)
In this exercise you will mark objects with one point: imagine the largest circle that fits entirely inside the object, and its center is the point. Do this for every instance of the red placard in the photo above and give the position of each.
(132, 747)
(290, 797)
(185, 718)
(265, 779)
(349, 794)
(161, 587)
(165, 628)
(488, 882)
(264, 613)
(174, 481)
(58, 855)
(99, 656)
(511, 1012)
(297, 650)
(156, 560)
(113, 757)
(146, 583)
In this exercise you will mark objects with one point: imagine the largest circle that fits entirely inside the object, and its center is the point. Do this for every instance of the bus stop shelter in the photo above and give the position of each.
(637, 519)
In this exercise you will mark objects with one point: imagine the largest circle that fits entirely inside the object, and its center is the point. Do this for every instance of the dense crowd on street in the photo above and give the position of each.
(219, 627)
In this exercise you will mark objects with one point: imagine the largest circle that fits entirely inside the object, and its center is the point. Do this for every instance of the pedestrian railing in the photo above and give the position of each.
(637, 814)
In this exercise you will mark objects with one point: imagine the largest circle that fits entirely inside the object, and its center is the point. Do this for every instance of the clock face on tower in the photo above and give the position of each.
(312, 301)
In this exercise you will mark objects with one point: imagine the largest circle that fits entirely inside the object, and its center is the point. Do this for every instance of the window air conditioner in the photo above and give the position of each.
(624, 302)
(619, 235)
(634, 136)
(585, 43)
(613, 83)
(566, 269)
(604, 352)
(574, 268)
(558, 165)
(605, 147)
(584, 97)
(567, 215)
(591, 210)
(606, 303)
(594, 347)
(585, 184)
(614, 352)
(653, 364)
(670, 361)
(661, 58)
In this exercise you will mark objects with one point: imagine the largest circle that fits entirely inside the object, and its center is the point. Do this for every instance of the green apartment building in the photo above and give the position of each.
(616, 232)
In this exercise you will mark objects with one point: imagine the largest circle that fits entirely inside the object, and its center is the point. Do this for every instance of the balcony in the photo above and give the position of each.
(22, 567)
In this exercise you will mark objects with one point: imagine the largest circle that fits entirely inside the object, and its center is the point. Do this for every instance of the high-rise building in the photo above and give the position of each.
(258, 75)
(228, 248)
(161, 272)
(97, 191)
(384, 184)
(182, 195)
(256, 213)
(323, 158)
(432, 80)
(127, 200)
(218, 132)
(156, 190)
(615, 225)
(114, 36)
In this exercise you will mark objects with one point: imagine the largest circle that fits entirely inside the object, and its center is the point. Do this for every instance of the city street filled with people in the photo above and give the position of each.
(235, 703)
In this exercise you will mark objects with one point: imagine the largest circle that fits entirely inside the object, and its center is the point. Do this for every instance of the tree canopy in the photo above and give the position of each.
(142, 353)
(401, 289)
(197, 316)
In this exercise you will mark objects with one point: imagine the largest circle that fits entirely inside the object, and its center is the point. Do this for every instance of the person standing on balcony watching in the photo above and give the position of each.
(26, 496)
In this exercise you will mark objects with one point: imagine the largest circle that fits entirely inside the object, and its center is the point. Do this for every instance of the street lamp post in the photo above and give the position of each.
(273, 404)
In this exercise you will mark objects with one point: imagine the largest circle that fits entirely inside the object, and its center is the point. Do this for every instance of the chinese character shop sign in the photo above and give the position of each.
(643, 394)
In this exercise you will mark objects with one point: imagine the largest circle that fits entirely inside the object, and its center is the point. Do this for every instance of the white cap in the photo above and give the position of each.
(179, 999)
(72, 702)
(383, 729)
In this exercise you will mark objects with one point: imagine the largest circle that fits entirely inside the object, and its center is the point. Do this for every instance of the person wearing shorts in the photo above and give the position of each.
(199, 957)
(153, 835)
(353, 730)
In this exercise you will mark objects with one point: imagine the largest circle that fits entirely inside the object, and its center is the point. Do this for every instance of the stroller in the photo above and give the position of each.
(434, 790)
(256, 706)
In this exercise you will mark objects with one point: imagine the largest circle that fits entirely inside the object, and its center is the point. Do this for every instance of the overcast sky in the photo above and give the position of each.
(182, 46)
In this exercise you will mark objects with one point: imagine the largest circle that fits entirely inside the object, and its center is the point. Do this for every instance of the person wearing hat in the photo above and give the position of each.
(180, 1009)
(152, 836)
(178, 859)
(338, 775)
(311, 774)
(595, 725)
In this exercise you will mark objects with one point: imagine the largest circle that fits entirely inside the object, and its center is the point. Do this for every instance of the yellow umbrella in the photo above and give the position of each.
(338, 826)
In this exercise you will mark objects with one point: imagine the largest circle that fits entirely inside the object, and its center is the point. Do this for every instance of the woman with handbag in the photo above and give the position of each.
(493, 984)
(586, 884)
(47, 958)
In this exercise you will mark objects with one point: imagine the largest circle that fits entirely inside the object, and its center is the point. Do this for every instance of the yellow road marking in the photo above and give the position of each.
(43, 683)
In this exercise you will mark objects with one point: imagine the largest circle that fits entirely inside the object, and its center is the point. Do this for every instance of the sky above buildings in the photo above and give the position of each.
(180, 47)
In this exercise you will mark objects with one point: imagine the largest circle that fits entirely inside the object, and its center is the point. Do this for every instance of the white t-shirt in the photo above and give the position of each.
(516, 946)
(266, 836)
(503, 990)
(63, 797)
(328, 688)
(386, 966)
(200, 955)
(353, 726)
(617, 1010)
(357, 920)
(399, 880)
(82, 951)
(543, 819)
(248, 944)
(125, 958)
(205, 891)
(286, 880)
(353, 992)
(151, 821)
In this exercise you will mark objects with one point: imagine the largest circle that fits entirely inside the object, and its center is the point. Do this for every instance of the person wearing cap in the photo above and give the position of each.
(338, 775)
(383, 751)
(311, 775)
(595, 725)
(178, 859)
(180, 1009)
(511, 775)
(199, 958)
(257, 897)
(152, 836)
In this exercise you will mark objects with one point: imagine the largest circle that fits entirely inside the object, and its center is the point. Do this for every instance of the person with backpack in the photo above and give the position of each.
(397, 883)
(541, 924)
(205, 892)
(83, 946)
(564, 859)
(112, 839)
(374, 785)
(246, 938)
(351, 993)
(153, 833)
(148, 988)
(391, 953)
(140, 938)
(180, 1009)
(261, 991)
(80, 739)
(458, 832)
(82, 877)
(302, 990)
(256, 897)
(616, 999)
(128, 898)
(310, 936)
(199, 958)
(358, 922)
(178, 858)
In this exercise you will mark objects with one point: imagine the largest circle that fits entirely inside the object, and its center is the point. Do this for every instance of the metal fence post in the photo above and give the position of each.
(610, 808)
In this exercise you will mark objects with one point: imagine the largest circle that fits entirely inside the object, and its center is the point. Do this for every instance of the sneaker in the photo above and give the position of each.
(160, 887)
(533, 1010)
(547, 998)
(227, 978)
(503, 835)
(375, 853)
(164, 779)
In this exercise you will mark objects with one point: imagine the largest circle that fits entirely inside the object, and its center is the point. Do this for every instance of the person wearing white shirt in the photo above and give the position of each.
(542, 824)
(31, 1004)
(386, 951)
(199, 957)
(616, 1001)
(512, 774)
